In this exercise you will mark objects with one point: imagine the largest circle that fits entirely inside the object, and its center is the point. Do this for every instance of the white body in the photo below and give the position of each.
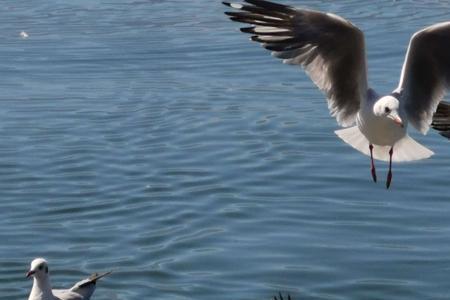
(379, 130)
(42, 290)
(383, 134)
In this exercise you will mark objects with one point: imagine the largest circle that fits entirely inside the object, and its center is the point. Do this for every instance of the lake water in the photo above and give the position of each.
(152, 138)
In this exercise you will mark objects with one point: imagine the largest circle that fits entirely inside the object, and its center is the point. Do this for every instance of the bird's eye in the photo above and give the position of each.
(40, 267)
(387, 110)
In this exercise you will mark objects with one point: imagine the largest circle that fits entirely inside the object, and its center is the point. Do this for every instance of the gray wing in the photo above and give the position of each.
(330, 48)
(425, 74)
(441, 119)
(67, 295)
(86, 287)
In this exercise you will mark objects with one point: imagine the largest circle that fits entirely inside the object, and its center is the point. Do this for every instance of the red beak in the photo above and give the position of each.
(30, 273)
(399, 122)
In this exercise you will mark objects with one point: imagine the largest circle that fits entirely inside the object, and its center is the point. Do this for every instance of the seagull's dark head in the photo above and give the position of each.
(38, 269)
(388, 107)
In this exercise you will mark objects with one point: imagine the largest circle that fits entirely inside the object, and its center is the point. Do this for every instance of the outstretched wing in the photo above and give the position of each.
(330, 48)
(441, 119)
(425, 75)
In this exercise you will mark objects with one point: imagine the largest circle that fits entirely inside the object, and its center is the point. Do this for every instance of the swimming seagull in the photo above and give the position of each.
(331, 50)
(42, 289)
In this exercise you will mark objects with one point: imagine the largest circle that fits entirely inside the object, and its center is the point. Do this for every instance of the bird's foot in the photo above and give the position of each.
(389, 176)
(389, 179)
(374, 174)
(372, 164)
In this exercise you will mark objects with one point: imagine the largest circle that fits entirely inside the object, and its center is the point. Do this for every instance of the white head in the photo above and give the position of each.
(388, 107)
(38, 269)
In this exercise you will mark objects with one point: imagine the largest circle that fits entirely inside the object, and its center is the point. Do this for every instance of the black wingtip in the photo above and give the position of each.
(247, 29)
(93, 278)
(96, 276)
(270, 5)
(280, 297)
(441, 119)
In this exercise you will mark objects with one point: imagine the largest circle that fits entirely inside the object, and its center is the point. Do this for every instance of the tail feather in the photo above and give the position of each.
(406, 149)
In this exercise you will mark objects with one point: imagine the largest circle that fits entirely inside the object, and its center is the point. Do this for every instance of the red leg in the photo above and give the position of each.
(389, 176)
(372, 165)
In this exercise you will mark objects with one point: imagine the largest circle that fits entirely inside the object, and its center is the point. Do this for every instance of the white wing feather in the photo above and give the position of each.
(425, 75)
(330, 48)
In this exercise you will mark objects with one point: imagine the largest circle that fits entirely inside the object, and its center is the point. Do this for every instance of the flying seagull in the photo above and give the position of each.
(332, 52)
(42, 289)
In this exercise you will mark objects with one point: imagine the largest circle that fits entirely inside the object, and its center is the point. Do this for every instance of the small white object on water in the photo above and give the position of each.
(23, 34)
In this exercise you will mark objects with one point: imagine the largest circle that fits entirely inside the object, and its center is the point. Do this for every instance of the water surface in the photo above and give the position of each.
(152, 138)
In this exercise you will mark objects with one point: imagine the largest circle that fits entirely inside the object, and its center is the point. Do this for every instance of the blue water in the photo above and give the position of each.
(152, 138)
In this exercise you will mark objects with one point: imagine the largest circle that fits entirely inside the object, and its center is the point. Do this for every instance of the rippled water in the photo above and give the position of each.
(151, 138)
